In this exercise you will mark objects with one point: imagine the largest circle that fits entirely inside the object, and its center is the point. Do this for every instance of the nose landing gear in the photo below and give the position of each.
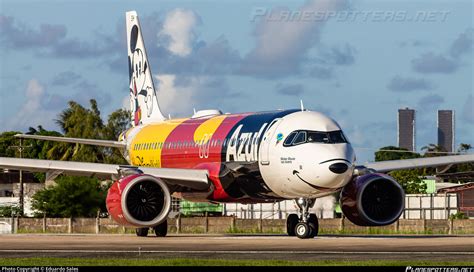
(305, 226)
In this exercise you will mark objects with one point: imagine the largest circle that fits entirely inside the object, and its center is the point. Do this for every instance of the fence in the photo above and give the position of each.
(236, 225)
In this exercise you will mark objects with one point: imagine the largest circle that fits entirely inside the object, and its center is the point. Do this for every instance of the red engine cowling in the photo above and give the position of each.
(372, 200)
(139, 200)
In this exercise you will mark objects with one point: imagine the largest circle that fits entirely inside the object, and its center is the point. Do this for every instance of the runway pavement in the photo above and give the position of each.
(441, 248)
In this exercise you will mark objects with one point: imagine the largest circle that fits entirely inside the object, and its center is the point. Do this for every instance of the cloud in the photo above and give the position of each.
(341, 55)
(178, 94)
(32, 112)
(407, 84)
(179, 26)
(65, 78)
(432, 63)
(290, 90)
(20, 36)
(431, 101)
(52, 41)
(468, 109)
(463, 44)
(321, 72)
(281, 44)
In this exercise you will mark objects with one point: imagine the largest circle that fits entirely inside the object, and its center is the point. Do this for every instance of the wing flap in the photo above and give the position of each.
(386, 166)
(192, 178)
(74, 140)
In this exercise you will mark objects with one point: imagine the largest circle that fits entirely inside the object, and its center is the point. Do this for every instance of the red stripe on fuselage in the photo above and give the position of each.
(189, 156)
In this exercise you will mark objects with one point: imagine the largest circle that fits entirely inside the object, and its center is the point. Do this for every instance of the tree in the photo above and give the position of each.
(118, 122)
(7, 140)
(389, 153)
(79, 122)
(410, 181)
(71, 197)
(433, 150)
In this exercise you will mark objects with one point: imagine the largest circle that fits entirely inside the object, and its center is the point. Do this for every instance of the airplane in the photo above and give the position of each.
(253, 157)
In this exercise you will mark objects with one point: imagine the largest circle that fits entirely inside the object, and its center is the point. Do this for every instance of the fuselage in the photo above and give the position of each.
(251, 157)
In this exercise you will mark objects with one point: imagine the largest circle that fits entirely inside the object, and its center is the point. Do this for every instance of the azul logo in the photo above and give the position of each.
(244, 146)
(279, 137)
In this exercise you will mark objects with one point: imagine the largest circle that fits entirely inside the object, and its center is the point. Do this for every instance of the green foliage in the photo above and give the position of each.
(6, 142)
(8, 211)
(71, 197)
(389, 153)
(410, 181)
(458, 215)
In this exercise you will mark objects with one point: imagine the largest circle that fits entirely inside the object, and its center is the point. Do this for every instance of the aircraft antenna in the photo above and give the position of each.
(301, 104)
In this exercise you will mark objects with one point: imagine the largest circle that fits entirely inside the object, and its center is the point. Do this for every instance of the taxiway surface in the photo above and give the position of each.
(441, 248)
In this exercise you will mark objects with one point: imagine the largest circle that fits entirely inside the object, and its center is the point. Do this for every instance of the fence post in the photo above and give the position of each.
(12, 224)
(423, 216)
(341, 224)
(206, 226)
(69, 225)
(233, 222)
(450, 226)
(44, 223)
(17, 224)
(397, 225)
(97, 223)
(178, 224)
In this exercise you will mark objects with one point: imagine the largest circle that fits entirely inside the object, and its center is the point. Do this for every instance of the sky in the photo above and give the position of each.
(356, 61)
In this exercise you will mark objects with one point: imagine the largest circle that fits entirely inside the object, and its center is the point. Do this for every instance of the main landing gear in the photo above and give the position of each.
(160, 230)
(305, 226)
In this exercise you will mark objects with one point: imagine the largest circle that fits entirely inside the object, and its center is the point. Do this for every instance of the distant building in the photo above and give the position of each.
(446, 130)
(406, 129)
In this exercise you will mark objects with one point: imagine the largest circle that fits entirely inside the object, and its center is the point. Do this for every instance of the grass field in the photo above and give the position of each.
(214, 262)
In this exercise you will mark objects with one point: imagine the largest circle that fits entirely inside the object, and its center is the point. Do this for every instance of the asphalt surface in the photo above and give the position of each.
(440, 248)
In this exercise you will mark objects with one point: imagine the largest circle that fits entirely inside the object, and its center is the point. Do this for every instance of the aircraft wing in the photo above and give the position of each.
(191, 178)
(74, 140)
(386, 166)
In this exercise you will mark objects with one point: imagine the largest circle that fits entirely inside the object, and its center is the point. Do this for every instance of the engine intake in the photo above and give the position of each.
(139, 200)
(372, 200)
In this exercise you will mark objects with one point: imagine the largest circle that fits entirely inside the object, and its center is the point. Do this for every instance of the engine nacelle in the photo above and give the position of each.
(139, 200)
(372, 200)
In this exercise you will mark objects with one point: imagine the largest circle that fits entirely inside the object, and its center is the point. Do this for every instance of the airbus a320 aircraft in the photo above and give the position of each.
(246, 158)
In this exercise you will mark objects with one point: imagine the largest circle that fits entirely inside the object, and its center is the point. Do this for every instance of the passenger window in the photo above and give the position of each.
(290, 138)
(301, 138)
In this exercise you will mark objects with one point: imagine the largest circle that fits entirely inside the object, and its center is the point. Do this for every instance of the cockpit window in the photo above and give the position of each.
(290, 138)
(301, 138)
(332, 137)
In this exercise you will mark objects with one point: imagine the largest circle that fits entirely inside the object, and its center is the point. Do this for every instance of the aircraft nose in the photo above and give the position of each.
(338, 168)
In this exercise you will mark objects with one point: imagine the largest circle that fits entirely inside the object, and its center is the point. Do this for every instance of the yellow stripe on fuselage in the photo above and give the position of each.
(205, 130)
(149, 141)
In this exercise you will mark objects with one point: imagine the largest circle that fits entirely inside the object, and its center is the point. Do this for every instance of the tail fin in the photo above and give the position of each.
(143, 101)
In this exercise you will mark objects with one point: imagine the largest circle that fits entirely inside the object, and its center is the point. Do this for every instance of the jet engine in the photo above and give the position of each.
(372, 200)
(139, 200)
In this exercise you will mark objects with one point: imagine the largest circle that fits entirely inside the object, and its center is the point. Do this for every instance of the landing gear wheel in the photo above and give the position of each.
(141, 232)
(162, 229)
(303, 230)
(291, 222)
(314, 225)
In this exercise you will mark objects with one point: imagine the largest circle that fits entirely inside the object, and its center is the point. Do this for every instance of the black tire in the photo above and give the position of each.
(303, 230)
(291, 222)
(141, 232)
(162, 229)
(314, 224)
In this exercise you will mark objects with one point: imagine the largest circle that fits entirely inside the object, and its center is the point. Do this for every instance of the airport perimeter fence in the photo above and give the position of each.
(223, 225)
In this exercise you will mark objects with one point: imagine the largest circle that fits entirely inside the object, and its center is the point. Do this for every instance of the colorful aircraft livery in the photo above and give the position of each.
(186, 143)
(245, 158)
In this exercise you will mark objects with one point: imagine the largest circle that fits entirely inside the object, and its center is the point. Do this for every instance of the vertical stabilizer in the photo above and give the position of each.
(143, 101)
